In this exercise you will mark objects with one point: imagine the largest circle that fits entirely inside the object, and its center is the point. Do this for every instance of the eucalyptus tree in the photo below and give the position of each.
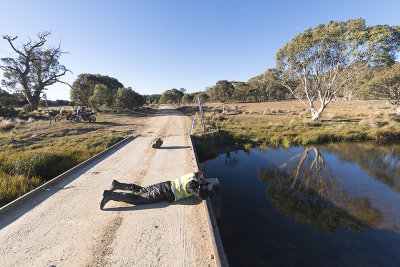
(187, 99)
(172, 96)
(222, 91)
(126, 98)
(355, 87)
(328, 57)
(258, 84)
(102, 96)
(386, 84)
(152, 99)
(269, 84)
(84, 86)
(240, 91)
(203, 95)
(33, 68)
(7, 103)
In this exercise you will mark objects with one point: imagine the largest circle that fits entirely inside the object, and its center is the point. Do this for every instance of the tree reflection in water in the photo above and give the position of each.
(381, 162)
(304, 188)
(231, 160)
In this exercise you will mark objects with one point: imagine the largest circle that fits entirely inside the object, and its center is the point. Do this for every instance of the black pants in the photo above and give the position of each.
(143, 195)
(149, 194)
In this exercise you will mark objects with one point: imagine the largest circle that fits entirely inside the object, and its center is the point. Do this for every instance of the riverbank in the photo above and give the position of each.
(273, 124)
(33, 151)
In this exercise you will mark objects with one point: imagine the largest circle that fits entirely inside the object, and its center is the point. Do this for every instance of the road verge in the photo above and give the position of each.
(58, 178)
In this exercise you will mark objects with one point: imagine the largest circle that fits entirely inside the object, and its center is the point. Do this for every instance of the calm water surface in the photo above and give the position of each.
(331, 205)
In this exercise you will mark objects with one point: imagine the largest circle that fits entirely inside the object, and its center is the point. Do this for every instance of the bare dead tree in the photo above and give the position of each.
(33, 68)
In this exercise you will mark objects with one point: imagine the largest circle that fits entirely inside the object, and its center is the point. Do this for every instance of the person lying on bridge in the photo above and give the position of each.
(182, 187)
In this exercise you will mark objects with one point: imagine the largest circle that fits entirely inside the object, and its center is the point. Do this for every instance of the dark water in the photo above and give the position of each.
(331, 205)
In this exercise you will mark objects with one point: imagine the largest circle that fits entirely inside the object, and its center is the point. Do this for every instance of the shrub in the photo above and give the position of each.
(172, 96)
(187, 99)
(126, 98)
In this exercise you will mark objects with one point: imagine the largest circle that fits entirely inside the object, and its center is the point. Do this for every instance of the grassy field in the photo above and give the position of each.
(272, 124)
(32, 151)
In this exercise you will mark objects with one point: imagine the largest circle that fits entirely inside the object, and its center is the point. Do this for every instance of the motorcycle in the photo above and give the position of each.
(85, 116)
(64, 115)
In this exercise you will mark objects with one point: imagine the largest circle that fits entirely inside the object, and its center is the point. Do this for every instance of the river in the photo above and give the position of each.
(327, 205)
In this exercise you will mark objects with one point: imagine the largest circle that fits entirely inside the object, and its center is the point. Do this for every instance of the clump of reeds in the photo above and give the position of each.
(14, 186)
(42, 163)
(22, 171)
(295, 131)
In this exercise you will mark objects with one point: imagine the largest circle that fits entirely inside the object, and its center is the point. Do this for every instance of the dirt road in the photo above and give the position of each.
(63, 226)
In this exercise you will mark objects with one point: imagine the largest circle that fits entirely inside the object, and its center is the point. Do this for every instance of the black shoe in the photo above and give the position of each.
(106, 198)
(114, 185)
(157, 143)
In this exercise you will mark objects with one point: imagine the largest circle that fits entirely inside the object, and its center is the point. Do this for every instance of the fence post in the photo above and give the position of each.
(201, 114)
(191, 127)
(47, 107)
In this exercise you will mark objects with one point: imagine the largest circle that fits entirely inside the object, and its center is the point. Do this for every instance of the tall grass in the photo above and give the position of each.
(283, 124)
(7, 127)
(14, 186)
(43, 163)
(259, 132)
(22, 171)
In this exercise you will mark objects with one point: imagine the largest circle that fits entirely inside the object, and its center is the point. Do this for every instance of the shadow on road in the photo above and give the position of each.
(109, 123)
(174, 147)
(160, 205)
(164, 112)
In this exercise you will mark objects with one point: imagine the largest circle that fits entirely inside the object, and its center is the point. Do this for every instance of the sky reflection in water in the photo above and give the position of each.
(331, 205)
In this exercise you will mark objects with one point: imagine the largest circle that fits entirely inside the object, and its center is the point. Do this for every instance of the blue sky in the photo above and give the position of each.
(155, 45)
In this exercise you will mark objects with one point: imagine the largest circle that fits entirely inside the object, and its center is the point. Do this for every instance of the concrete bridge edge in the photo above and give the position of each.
(220, 258)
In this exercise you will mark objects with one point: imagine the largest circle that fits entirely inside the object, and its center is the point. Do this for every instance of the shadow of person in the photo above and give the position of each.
(187, 201)
(174, 147)
(159, 205)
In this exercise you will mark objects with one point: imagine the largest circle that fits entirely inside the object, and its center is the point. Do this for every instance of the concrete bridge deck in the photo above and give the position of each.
(62, 225)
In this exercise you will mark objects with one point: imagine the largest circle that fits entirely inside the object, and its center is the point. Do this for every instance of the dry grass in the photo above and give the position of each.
(335, 110)
(32, 151)
(289, 123)
(32, 133)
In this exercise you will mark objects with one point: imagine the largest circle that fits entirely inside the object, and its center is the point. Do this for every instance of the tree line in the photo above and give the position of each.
(348, 60)
(100, 91)
(335, 60)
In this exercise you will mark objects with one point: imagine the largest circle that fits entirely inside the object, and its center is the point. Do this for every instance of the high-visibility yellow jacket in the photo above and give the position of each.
(178, 186)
